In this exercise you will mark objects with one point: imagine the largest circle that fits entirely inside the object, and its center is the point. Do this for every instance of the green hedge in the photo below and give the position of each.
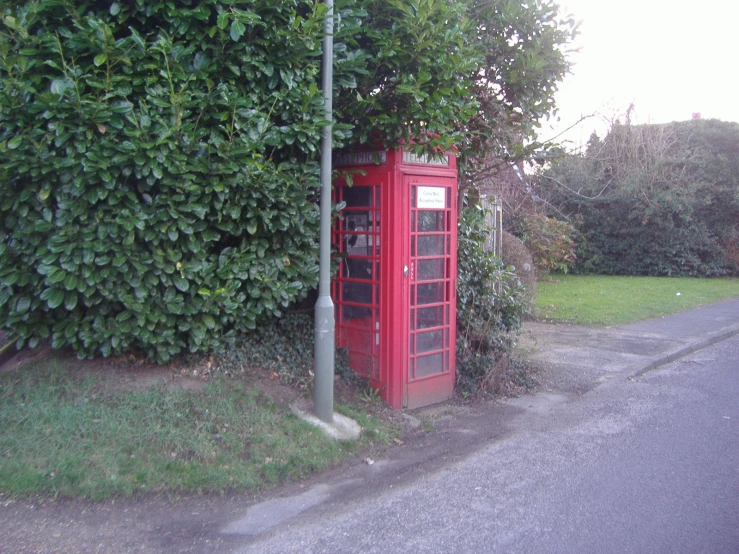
(658, 200)
(159, 158)
(157, 168)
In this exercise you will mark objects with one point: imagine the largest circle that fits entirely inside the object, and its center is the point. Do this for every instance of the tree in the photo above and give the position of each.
(653, 199)
(159, 159)
(414, 86)
(524, 48)
(476, 75)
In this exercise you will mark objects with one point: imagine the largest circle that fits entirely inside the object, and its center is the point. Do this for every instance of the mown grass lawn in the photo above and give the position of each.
(62, 433)
(610, 300)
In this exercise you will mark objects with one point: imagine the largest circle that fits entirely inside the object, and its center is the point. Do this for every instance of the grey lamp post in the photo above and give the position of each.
(324, 314)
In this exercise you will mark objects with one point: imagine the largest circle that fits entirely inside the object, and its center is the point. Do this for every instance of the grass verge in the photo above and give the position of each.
(612, 300)
(61, 433)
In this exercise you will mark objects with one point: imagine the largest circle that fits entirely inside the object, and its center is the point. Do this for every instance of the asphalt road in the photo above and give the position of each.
(649, 464)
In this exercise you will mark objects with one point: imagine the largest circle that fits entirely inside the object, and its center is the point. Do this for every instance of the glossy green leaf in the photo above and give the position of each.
(23, 304)
(237, 30)
(55, 298)
(60, 86)
(181, 283)
(70, 282)
(70, 300)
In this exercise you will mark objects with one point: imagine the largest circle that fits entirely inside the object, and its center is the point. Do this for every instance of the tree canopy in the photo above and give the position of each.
(653, 199)
(478, 75)
(159, 159)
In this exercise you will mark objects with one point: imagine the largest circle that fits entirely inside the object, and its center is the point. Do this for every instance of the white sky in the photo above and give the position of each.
(670, 57)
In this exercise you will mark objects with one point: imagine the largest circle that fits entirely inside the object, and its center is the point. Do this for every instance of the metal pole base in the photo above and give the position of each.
(323, 391)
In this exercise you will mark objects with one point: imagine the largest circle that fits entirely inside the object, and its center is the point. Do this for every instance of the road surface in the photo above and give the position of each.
(647, 464)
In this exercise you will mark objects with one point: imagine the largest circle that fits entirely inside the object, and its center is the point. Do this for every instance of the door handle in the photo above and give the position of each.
(405, 271)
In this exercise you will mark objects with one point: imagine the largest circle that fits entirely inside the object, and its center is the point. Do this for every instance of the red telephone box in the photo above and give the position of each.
(395, 291)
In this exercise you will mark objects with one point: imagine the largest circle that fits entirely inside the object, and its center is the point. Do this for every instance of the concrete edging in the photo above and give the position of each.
(682, 352)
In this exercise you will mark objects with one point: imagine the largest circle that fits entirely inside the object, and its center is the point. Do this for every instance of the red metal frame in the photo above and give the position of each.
(382, 318)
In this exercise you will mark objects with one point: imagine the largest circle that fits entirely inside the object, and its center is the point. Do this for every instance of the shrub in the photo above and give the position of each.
(284, 346)
(157, 170)
(490, 304)
(653, 199)
(550, 242)
(159, 158)
(514, 253)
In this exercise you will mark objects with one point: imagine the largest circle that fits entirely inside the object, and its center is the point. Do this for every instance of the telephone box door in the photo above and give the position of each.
(431, 292)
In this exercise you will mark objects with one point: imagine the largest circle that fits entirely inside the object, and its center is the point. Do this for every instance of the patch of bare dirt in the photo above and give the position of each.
(128, 373)
(13, 360)
(131, 373)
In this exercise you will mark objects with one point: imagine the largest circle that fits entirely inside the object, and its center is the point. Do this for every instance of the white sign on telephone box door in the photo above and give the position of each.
(432, 198)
